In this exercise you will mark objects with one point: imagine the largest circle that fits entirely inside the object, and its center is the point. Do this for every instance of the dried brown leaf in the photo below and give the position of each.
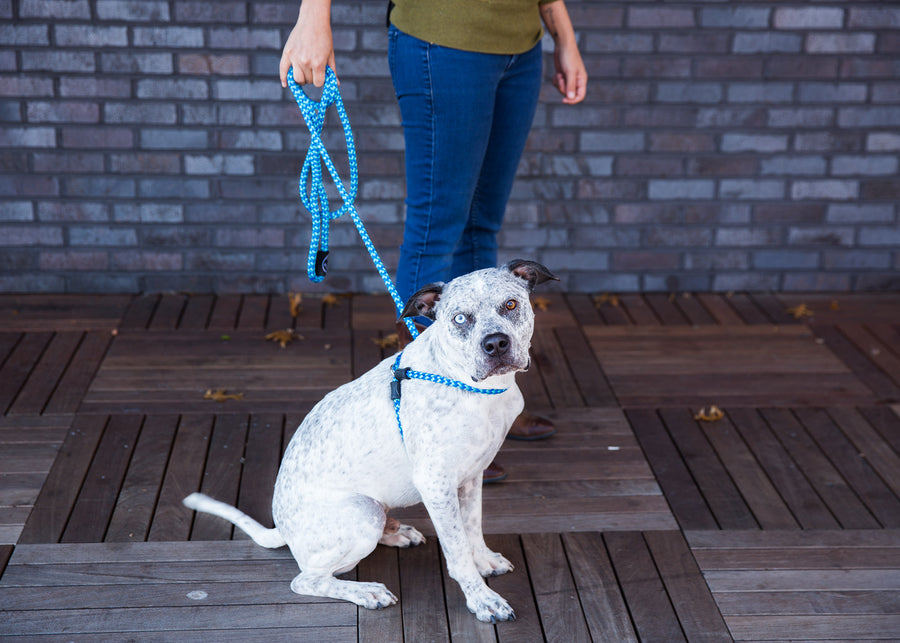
(710, 413)
(295, 299)
(799, 312)
(220, 395)
(541, 303)
(329, 300)
(283, 337)
(606, 298)
(388, 341)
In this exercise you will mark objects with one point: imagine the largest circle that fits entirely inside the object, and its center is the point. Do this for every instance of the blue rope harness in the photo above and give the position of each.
(316, 203)
(401, 374)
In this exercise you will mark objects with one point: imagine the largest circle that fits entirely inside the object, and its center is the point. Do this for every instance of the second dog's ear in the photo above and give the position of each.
(423, 302)
(531, 271)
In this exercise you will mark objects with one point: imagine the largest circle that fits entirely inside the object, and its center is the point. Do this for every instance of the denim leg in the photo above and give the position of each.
(448, 101)
(514, 107)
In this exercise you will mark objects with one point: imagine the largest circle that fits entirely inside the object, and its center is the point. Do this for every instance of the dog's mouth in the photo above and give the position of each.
(500, 368)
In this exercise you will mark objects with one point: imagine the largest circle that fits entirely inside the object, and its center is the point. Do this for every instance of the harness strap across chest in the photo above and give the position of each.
(401, 374)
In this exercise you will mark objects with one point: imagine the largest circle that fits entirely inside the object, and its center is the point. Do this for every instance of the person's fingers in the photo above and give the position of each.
(283, 66)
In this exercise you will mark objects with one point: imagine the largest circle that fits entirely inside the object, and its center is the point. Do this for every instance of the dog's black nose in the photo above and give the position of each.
(495, 345)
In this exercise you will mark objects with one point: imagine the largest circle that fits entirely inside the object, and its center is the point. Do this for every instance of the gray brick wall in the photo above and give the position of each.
(148, 146)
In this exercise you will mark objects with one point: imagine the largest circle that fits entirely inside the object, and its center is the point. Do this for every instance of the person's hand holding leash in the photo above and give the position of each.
(309, 47)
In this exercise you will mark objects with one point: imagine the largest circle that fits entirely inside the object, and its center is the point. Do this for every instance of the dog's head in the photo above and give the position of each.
(485, 317)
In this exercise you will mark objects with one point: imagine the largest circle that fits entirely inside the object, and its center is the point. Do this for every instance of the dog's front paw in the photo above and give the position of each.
(488, 606)
(372, 596)
(490, 563)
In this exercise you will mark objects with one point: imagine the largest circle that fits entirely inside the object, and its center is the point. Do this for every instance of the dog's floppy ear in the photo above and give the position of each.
(423, 302)
(531, 271)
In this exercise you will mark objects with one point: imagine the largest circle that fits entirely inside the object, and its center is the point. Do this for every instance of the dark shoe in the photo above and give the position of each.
(530, 427)
(494, 473)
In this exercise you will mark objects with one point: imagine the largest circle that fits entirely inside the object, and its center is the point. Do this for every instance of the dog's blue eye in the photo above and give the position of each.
(460, 319)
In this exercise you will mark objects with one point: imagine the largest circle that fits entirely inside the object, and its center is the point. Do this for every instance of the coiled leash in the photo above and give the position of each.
(316, 200)
(316, 203)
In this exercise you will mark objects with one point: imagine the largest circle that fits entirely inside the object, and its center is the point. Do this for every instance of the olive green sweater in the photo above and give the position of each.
(486, 26)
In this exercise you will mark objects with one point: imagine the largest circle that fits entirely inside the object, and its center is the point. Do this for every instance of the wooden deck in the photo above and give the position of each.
(779, 521)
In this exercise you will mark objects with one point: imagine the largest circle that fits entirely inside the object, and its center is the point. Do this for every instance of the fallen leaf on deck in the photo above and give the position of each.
(388, 341)
(329, 300)
(799, 312)
(540, 303)
(606, 298)
(283, 337)
(296, 299)
(835, 305)
(220, 395)
(709, 414)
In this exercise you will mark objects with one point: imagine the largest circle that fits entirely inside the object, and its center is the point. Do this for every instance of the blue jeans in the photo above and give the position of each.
(466, 117)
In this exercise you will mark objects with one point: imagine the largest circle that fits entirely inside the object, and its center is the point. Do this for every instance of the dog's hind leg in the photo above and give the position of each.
(400, 535)
(330, 538)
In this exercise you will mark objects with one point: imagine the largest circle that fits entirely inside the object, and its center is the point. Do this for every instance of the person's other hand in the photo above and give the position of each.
(571, 74)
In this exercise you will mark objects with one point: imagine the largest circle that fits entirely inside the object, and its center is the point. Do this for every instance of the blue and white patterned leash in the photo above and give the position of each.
(316, 200)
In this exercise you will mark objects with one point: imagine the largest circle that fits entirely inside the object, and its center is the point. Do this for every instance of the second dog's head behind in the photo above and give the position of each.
(484, 318)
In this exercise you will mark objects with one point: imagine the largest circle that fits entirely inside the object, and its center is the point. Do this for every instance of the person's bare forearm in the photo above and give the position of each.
(571, 76)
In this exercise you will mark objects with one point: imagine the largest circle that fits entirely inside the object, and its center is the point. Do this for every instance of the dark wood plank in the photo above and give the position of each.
(681, 490)
(75, 382)
(366, 351)
(651, 610)
(693, 309)
(748, 310)
(420, 580)
(697, 612)
(261, 460)
(376, 626)
(717, 486)
(869, 444)
(279, 315)
(54, 504)
(665, 308)
(589, 377)
(224, 313)
(197, 311)
(136, 503)
(168, 312)
(886, 422)
(853, 466)
(877, 381)
(336, 312)
(61, 312)
(96, 501)
(172, 520)
(17, 367)
(515, 587)
(5, 552)
(461, 622)
(876, 342)
(222, 476)
(554, 588)
(373, 312)
(598, 590)
(773, 308)
(139, 312)
(583, 309)
(757, 490)
(793, 486)
(841, 500)
(638, 310)
(253, 312)
(720, 309)
(45, 374)
(554, 369)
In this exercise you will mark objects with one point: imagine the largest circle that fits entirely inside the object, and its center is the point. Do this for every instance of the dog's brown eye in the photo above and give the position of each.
(511, 304)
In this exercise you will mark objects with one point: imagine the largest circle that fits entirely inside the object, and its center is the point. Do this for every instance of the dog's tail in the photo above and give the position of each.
(269, 538)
